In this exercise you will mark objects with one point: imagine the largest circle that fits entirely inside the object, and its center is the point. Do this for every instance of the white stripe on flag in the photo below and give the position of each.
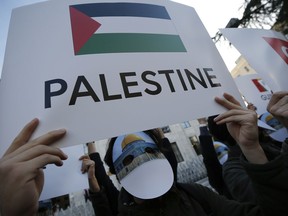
(135, 25)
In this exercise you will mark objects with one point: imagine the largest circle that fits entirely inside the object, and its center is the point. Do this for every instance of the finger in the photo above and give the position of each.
(45, 139)
(231, 99)
(49, 137)
(43, 160)
(275, 98)
(84, 157)
(227, 104)
(37, 151)
(233, 112)
(280, 105)
(85, 165)
(281, 111)
(24, 135)
(236, 116)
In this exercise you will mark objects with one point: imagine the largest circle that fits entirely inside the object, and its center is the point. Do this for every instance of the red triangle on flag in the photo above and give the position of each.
(83, 28)
(280, 46)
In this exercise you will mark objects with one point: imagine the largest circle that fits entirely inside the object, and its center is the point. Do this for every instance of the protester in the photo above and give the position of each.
(234, 174)
(161, 196)
(267, 172)
(210, 157)
(101, 188)
(167, 150)
(229, 179)
(21, 174)
(99, 182)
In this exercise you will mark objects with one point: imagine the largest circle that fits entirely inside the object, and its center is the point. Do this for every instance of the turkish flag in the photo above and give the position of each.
(280, 46)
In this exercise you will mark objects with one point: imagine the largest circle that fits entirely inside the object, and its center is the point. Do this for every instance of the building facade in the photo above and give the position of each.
(242, 68)
(185, 144)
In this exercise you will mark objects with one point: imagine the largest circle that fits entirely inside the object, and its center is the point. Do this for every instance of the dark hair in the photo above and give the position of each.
(108, 156)
(220, 132)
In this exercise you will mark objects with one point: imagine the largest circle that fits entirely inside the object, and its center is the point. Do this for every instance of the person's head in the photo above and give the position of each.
(138, 161)
(220, 132)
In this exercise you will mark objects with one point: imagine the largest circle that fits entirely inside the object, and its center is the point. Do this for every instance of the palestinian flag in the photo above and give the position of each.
(123, 28)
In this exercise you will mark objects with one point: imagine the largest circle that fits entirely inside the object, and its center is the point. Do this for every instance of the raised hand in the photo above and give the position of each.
(278, 106)
(88, 166)
(242, 125)
(21, 173)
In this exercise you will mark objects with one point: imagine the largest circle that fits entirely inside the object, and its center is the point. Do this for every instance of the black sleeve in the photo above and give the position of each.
(100, 203)
(105, 181)
(285, 146)
(218, 205)
(270, 184)
(237, 181)
(169, 154)
(212, 165)
(204, 130)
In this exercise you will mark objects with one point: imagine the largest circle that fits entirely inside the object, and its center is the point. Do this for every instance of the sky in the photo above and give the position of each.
(214, 14)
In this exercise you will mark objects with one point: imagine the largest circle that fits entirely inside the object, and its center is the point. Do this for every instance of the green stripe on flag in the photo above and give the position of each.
(132, 42)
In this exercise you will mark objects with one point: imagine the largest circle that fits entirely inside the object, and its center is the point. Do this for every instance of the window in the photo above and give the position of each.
(246, 68)
(166, 129)
(177, 152)
(195, 143)
(185, 124)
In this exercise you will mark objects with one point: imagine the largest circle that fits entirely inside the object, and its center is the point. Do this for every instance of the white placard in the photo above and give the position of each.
(98, 91)
(264, 125)
(266, 51)
(67, 178)
(255, 91)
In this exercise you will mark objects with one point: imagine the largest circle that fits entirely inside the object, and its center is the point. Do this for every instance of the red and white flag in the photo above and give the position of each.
(266, 51)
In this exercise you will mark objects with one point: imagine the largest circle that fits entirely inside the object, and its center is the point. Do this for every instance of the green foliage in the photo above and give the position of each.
(261, 14)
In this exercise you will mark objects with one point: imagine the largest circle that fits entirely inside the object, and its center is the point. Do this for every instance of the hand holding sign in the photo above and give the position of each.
(21, 173)
(278, 107)
(242, 125)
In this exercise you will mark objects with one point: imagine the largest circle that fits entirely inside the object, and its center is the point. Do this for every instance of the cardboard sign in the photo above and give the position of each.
(105, 68)
(266, 51)
(254, 91)
(67, 178)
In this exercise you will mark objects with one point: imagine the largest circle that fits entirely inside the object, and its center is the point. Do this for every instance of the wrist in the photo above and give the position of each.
(93, 184)
(94, 189)
(255, 155)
